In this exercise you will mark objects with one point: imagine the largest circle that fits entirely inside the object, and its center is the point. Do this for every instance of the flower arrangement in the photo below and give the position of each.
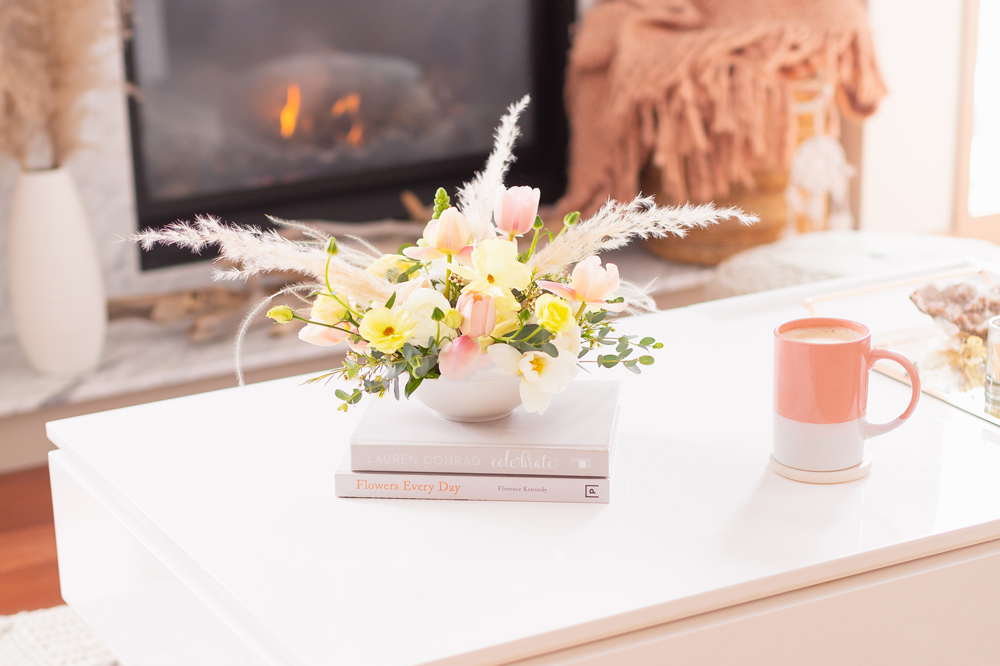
(466, 297)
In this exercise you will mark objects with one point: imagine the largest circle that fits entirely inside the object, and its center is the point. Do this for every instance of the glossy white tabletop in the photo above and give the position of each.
(239, 485)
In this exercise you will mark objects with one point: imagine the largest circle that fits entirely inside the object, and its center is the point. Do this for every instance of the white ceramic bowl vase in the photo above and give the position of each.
(485, 396)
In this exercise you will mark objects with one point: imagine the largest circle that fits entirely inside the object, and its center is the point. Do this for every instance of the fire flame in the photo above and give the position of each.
(350, 106)
(290, 112)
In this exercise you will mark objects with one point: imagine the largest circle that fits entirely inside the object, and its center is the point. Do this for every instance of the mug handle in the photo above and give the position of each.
(876, 429)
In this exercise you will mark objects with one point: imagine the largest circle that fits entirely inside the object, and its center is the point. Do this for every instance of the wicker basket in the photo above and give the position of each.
(711, 245)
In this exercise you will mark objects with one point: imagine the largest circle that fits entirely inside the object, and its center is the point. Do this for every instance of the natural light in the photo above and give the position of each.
(984, 161)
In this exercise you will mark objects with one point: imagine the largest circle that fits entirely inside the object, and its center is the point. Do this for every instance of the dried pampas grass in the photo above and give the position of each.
(475, 198)
(48, 61)
(256, 251)
(616, 223)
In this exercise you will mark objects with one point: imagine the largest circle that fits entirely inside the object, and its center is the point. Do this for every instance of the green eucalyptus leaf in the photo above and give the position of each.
(646, 360)
(343, 395)
(412, 385)
(391, 301)
(549, 349)
(645, 342)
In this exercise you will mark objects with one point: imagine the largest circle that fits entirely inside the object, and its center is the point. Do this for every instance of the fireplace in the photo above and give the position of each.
(320, 109)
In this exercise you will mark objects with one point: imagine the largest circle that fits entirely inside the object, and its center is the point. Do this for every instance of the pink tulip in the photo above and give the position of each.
(479, 314)
(450, 234)
(514, 210)
(591, 283)
(460, 358)
(321, 336)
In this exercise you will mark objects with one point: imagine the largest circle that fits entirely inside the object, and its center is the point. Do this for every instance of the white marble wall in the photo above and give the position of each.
(103, 171)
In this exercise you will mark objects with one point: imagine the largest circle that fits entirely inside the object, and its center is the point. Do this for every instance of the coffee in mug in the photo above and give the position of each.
(823, 335)
(821, 370)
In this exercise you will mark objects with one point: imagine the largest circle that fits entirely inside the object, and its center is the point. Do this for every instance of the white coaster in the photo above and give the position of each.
(836, 476)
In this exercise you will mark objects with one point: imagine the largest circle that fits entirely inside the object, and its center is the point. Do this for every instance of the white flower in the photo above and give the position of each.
(419, 306)
(541, 374)
(568, 341)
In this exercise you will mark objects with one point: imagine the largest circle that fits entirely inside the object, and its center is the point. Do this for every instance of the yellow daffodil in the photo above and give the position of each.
(386, 330)
(495, 270)
(555, 314)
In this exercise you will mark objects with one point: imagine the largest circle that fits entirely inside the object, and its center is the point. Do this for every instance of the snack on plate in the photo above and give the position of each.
(962, 303)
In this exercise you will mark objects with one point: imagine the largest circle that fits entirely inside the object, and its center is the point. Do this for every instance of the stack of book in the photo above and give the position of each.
(402, 450)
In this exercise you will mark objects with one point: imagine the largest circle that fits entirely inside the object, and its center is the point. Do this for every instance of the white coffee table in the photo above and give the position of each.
(205, 531)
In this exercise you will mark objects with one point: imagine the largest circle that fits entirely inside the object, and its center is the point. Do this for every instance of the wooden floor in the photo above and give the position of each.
(29, 574)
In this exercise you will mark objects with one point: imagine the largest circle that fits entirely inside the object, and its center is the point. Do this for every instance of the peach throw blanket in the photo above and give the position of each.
(703, 87)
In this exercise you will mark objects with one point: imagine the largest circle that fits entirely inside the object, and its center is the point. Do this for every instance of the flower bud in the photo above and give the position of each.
(282, 314)
(571, 219)
(538, 223)
(331, 247)
(452, 318)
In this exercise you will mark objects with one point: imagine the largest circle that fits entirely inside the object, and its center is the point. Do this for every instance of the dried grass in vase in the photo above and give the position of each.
(49, 60)
(464, 299)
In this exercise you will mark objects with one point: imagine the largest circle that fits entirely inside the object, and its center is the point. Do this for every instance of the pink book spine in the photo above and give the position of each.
(473, 487)
(479, 459)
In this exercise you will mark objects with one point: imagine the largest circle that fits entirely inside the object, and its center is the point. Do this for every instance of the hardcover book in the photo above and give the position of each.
(572, 438)
(416, 485)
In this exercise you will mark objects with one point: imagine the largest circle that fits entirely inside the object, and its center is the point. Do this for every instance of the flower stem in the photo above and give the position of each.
(447, 281)
(320, 323)
(534, 242)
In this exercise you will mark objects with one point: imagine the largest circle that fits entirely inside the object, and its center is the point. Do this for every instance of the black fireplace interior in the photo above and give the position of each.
(320, 109)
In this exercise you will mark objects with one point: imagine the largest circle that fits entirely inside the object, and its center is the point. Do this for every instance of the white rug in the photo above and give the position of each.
(51, 637)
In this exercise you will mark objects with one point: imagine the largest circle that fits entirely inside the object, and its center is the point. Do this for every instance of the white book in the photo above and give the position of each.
(417, 485)
(572, 438)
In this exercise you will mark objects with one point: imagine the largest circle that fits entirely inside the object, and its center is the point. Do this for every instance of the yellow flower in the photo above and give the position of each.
(554, 314)
(495, 270)
(328, 309)
(386, 330)
(389, 266)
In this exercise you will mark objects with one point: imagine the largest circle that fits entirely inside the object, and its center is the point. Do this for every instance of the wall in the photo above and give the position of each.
(909, 149)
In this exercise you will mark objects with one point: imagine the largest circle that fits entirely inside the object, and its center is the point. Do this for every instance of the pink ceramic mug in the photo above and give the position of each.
(821, 395)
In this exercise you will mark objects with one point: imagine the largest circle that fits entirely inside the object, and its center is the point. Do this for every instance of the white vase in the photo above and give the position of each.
(56, 290)
(485, 396)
